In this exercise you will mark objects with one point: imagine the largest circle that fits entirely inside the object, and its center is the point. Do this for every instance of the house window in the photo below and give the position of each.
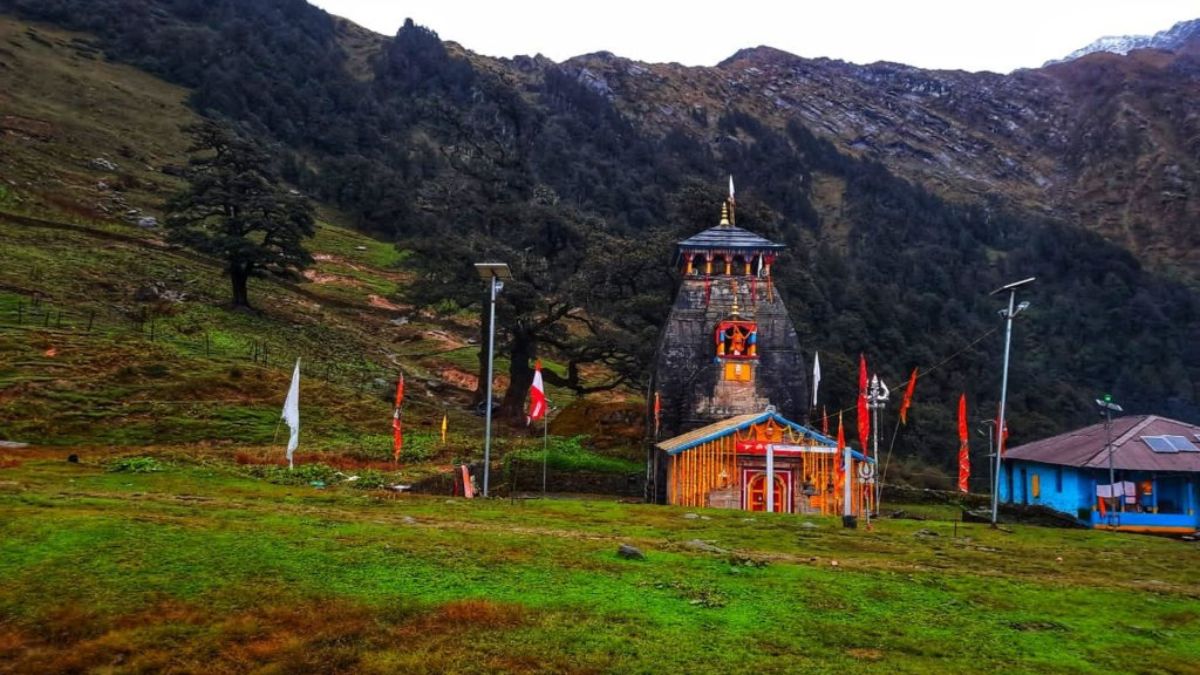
(1035, 485)
(1058, 480)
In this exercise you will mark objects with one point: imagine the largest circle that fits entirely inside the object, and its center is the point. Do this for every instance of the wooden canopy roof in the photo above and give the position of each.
(684, 442)
(728, 238)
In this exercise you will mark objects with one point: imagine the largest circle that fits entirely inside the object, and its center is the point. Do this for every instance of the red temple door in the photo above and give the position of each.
(756, 491)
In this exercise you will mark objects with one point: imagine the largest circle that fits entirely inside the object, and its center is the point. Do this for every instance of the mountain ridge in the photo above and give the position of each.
(1171, 38)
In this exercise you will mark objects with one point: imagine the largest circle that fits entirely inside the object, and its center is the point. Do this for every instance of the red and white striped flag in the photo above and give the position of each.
(537, 396)
(397, 432)
(964, 459)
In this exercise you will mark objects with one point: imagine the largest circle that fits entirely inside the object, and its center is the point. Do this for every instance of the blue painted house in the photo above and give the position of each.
(1156, 462)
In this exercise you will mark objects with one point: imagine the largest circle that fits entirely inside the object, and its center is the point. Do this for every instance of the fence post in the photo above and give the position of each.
(91, 318)
(46, 319)
(20, 313)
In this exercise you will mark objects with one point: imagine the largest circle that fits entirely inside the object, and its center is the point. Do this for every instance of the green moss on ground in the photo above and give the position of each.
(199, 563)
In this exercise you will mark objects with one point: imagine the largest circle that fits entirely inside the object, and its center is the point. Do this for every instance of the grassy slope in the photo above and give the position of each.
(198, 568)
(61, 106)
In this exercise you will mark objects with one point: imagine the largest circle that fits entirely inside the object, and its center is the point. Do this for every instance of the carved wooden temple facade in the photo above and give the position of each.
(730, 377)
(761, 462)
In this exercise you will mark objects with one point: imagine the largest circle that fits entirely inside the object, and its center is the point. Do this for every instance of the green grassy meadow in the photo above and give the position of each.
(199, 567)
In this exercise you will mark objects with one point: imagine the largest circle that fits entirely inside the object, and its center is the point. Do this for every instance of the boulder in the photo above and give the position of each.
(630, 552)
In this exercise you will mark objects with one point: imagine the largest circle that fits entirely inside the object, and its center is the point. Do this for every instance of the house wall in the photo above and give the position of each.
(1062, 488)
(1177, 492)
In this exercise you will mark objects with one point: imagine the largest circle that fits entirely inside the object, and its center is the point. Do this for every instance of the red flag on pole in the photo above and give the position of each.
(657, 413)
(824, 421)
(537, 396)
(964, 460)
(864, 416)
(840, 461)
(1003, 432)
(397, 433)
(906, 402)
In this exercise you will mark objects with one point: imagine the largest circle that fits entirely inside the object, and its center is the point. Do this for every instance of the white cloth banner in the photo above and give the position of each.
(816, 376)
(1122, 489)
(291, 413)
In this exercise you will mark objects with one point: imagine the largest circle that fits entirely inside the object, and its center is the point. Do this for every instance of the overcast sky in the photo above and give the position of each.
(967, 34)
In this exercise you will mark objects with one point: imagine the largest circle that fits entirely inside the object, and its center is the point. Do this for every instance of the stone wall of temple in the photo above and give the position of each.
(688, 374)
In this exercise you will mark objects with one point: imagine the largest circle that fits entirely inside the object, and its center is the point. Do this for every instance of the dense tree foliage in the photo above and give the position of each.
(235, 210)
(464, 163)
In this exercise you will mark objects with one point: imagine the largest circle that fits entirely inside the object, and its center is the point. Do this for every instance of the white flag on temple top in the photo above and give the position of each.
(731, 198)
(816, 375)
(291, 413)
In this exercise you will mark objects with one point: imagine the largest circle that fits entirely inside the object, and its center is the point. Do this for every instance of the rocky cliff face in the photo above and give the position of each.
(1107, 142)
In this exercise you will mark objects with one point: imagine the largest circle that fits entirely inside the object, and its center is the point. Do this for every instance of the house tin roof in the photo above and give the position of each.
(684, 442)
(1086, 447)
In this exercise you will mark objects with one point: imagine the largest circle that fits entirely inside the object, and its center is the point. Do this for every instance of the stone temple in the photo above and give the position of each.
(728, 379)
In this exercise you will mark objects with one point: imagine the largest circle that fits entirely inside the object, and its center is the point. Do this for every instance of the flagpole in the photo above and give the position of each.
(545, 445)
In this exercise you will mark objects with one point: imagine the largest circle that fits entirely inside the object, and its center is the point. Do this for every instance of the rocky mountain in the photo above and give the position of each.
(904, 195)
(1170, 39)
(1108, 143)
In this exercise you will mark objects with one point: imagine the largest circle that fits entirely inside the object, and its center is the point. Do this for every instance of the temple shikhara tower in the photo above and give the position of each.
(730, 378)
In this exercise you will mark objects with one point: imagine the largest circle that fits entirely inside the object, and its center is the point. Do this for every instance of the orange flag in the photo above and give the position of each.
(906, 402)
(657, 414)
(864, 415)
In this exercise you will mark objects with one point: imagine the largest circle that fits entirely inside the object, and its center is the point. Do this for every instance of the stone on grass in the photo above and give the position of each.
(630, 552)
(690, 516)
(809, 525)
(700, 545)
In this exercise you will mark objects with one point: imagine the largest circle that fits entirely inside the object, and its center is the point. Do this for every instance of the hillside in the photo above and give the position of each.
(905, 196)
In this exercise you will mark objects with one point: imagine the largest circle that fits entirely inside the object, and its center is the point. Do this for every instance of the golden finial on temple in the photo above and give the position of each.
(724, 214)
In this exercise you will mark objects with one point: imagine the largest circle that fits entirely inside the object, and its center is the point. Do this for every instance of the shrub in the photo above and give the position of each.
(138, 464)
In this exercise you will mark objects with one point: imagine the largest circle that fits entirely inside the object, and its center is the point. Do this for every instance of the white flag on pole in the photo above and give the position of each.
(816, 376)
(291, 413)
(731, 197)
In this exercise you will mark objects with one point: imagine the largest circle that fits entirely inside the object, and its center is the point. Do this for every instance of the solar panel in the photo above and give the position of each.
(1159, 444)
(1181, 443)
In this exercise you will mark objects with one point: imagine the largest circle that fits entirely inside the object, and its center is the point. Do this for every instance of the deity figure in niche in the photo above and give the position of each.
(737, 340)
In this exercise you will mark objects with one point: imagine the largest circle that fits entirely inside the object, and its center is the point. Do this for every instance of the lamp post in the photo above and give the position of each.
(1008, 314)
(495, 274)
(1106, 404)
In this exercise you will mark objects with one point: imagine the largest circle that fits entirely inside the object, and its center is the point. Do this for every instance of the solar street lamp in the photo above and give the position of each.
(1008, 314)
(1107, 408)
(495, 274)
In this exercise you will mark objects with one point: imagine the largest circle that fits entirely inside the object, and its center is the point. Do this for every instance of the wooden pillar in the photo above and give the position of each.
(708, 264)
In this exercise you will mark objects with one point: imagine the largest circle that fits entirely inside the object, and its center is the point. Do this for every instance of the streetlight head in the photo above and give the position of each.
(1013, 286)
(493, 270)
(1023, 306)
(1107, 404)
